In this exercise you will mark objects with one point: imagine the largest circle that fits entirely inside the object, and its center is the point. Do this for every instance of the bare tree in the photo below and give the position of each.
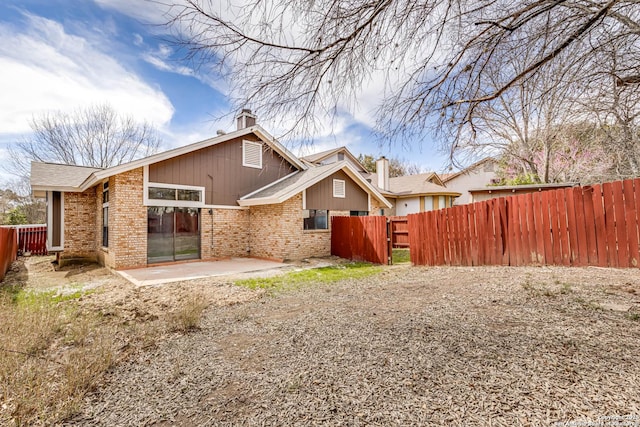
(308, 58)
(397, 167)
(95, 136)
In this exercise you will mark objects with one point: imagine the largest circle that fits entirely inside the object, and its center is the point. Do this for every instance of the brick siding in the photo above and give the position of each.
(230, 230)
(127, 220)
(79, 227)
(276, 232)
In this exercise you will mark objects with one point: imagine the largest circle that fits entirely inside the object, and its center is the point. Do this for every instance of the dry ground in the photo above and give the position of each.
(410, 346)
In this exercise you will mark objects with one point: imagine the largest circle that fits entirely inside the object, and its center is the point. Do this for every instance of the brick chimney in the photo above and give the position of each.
(245, 119)
(382, 169)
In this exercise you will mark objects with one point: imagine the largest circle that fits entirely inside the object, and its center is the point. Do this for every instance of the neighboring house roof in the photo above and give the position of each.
(415, 185)
(63, 177)
(92, 177)
(449, 176)
(518, 188)
(317, 158)
(296, 182)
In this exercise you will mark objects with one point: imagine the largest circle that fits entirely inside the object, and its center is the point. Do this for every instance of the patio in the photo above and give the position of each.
(156, 275)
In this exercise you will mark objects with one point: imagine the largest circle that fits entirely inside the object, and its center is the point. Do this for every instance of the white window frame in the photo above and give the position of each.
(344, 188)
(174, 203)
(105, 205)
(258, 145)
(50, 222)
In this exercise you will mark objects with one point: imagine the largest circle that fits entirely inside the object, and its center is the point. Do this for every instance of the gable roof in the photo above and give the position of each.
(84, 178)
(63, 177)
(296, 182)
(449, 176)
(317, 158)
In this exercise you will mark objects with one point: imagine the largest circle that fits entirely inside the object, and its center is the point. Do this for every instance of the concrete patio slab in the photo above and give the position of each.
(196, 270)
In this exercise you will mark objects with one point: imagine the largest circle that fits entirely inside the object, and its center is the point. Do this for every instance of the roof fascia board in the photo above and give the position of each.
(65, 189)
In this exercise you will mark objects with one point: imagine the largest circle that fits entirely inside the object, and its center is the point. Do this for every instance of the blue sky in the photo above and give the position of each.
(63, 55)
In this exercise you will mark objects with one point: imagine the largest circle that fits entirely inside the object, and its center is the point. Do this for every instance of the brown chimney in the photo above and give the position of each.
(382, 169)
(245, 119)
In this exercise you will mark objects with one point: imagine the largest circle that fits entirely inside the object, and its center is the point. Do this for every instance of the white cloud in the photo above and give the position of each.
(45, 68)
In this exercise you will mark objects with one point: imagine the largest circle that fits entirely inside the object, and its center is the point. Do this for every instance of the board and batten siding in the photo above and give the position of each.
(320, 195)
(219, 169)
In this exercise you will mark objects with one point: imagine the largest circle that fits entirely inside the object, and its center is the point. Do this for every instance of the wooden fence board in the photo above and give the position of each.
(586, 226)
(576, 223)
(610, 224)
(565, 250)
(621, 227)
(600, 225)
(631, 223)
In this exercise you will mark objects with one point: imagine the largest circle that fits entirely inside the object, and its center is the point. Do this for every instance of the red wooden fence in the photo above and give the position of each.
(593, 225)
(32, 238)
(399, 228)
(361, 238)
(8, 249)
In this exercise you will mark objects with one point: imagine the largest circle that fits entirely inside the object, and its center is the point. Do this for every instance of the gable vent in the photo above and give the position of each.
(252, 154)
(338, 188)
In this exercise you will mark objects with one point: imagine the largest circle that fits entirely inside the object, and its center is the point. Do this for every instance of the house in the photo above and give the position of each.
(407, 194)
(478, 175)
(237, 194)
(494, 192)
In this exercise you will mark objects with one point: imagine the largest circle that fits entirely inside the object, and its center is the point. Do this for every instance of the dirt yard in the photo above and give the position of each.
(410, 346)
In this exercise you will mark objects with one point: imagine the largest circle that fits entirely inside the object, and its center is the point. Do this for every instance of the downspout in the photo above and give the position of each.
(211, 214)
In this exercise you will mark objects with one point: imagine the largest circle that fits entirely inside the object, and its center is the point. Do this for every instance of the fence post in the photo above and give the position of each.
(389, 242)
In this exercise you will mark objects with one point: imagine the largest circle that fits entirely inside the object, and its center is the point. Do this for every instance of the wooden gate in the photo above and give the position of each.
(399, 231)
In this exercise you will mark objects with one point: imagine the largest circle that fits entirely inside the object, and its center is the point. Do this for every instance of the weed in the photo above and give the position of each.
(297, 279)
(187, 317)
(633, 316)
(590, 305)
(566, 289)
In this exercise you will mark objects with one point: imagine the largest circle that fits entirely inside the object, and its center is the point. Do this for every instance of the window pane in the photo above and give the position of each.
(159, 193)
(315, 219)
(105, 227)
(190, 195)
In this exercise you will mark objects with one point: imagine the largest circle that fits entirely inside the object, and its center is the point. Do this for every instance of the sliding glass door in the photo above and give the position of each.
(173, 234)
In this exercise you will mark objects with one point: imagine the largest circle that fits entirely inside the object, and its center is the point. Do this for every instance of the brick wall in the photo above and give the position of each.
(79, 227)
(230, 231)
(276, 231)
(127, 221)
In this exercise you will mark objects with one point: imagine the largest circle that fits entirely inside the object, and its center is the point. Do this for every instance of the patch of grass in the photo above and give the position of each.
(297, 279)
(400, 256)
(51, 354)
(188, 315)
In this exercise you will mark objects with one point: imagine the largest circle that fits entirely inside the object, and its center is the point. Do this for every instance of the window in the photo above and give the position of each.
(358, 213)
(338, 188)
(340, 157)
(316, 219)
(105, 214)
(252, 154)
(162, 193)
